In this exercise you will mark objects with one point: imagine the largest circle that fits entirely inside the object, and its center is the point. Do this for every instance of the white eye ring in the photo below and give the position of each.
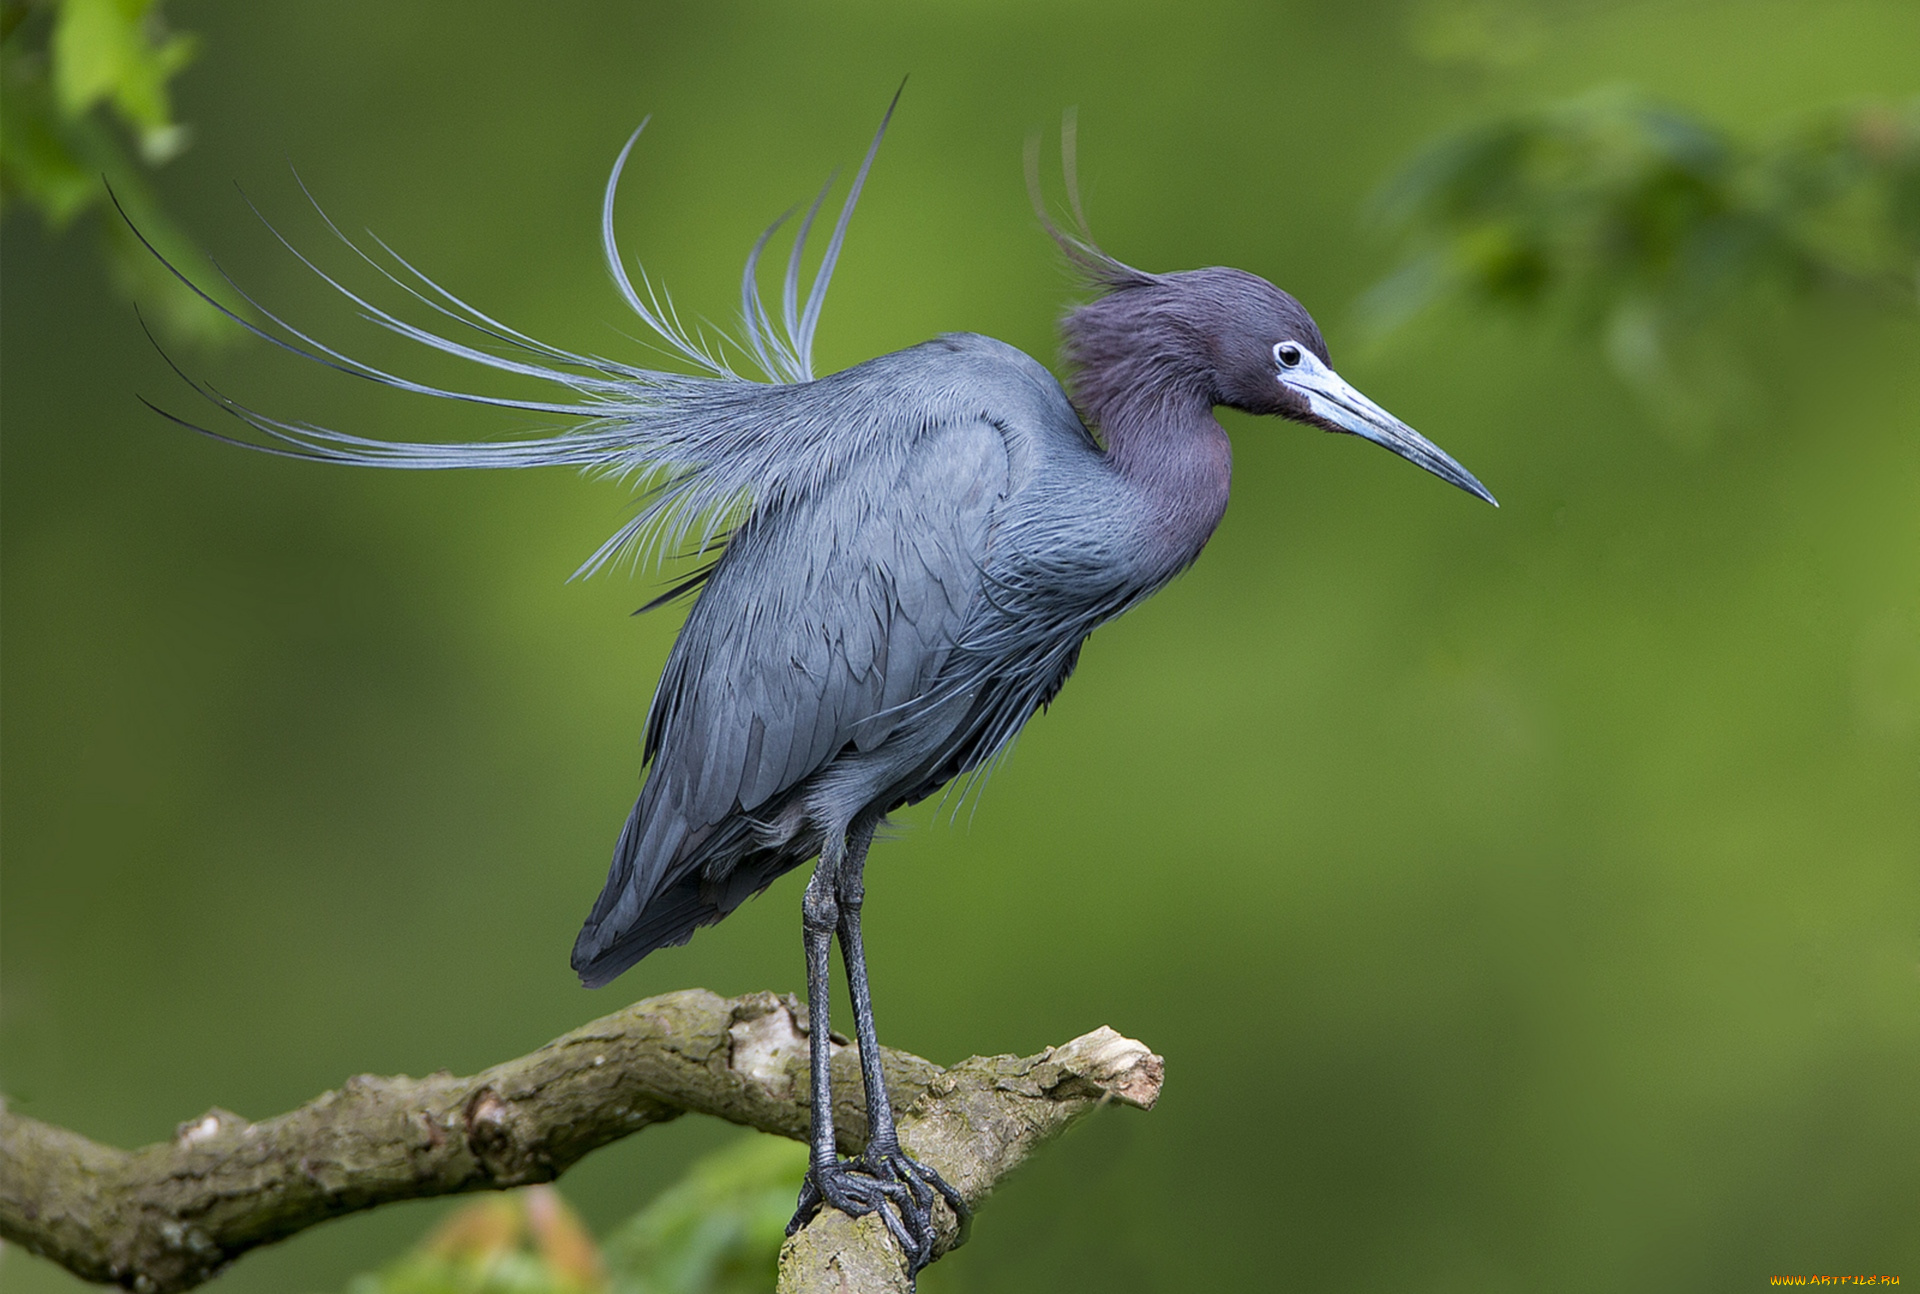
(1287, 354)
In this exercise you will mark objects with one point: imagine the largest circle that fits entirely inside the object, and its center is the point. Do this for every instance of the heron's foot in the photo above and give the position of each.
(900, 1187)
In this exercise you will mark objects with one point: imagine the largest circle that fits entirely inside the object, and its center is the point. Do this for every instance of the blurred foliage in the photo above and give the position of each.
(1653, 228)
(79, 81)
(1485, 35)
(526, 1242)
(717, 1231)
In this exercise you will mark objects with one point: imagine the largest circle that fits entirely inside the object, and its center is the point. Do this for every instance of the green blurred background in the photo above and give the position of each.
(1521, 900)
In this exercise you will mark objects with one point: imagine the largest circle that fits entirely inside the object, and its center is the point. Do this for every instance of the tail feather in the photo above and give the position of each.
(644, 861)
(626, 924)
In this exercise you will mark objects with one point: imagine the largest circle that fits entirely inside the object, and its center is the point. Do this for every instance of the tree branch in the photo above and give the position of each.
(169, 1216)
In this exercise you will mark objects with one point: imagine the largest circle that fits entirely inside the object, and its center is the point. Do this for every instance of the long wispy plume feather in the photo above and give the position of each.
(1096, 268)
(704, 445)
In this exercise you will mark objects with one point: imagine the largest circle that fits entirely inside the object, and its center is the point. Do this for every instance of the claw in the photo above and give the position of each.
(892, 1182)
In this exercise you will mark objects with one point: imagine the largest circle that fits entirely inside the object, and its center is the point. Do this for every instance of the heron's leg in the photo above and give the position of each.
(881, 1132)
(883, 1156)
(844, 1185)
(883, 1177)
(819, 918)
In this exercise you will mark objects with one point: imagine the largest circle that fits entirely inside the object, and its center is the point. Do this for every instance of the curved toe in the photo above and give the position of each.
(898, 1186)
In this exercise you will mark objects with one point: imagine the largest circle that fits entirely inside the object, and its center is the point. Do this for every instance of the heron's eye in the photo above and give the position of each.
(1287, 355)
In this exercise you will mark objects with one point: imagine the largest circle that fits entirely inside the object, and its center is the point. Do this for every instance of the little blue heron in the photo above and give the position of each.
(907, 557)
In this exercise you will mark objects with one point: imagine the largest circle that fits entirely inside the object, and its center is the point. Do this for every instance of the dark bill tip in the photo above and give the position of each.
(1338, 406)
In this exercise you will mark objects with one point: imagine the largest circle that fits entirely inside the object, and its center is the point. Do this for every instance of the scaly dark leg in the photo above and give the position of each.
(883, 1156)
(819, 918)
(883, 1174)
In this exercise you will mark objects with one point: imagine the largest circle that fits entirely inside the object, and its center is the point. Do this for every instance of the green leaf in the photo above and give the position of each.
(117, 51)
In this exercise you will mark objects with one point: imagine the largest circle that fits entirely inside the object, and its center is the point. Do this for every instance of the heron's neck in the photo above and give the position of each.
(1161, 436)
(1143, 378)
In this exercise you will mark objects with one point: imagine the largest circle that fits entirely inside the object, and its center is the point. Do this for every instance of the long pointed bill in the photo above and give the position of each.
(1339, 407)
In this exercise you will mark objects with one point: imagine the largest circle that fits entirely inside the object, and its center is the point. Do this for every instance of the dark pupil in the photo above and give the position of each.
(1289, 355)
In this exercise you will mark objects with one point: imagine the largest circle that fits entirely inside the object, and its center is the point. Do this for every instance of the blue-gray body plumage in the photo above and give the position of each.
(861, 644)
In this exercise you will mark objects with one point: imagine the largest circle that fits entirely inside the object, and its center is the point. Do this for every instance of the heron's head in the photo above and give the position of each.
(1233, 339)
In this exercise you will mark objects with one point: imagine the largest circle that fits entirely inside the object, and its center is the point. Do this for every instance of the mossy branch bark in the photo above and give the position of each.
(169, 1216)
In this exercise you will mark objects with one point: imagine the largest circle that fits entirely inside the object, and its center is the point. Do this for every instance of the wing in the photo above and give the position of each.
(826, 619)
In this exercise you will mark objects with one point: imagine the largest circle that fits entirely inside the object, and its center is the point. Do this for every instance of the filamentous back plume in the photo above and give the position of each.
(702, 443)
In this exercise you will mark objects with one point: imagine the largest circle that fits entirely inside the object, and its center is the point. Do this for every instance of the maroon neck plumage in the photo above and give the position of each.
(1144, 382)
